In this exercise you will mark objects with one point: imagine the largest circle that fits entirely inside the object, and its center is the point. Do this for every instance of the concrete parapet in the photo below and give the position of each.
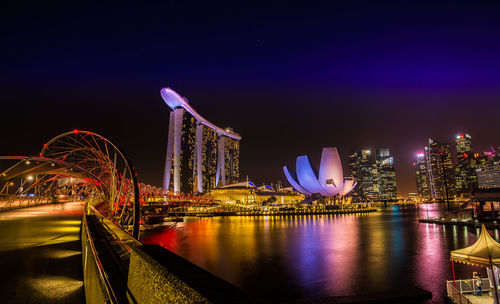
(150, 282)
(157, 275)
(150, 274)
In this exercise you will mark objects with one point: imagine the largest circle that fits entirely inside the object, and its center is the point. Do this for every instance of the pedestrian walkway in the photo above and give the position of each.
(484, 299)
(40, 255)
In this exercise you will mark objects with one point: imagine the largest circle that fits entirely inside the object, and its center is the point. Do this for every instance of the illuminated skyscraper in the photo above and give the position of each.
(363, 166)
(232, 159)
(483, 160)
(465, 175)
(422, 177)
(440, 165)
(488, 177)
(208, 158)
(375, 175)
(386, 176)
(200, 155)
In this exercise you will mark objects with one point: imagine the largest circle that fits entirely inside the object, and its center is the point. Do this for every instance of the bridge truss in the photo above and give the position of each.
(77, 164)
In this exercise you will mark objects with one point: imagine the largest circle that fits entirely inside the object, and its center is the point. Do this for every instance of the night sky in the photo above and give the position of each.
(289, 78)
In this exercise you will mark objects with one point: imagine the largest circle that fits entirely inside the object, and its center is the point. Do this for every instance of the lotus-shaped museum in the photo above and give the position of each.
(329, 182)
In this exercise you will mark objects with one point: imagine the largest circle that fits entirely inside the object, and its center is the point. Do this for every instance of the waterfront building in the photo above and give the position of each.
(375, 174)
(465, 174)
(328, 182)
(200, 155)
(483, 160)
(386, 176)
(441, 170)
(422, 176)
(413, 197)
(208, 158)
(363, 165)
(231, 159)
(246, 193)
(488, 177)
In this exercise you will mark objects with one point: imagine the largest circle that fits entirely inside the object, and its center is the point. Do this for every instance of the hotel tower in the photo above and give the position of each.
(200, 155)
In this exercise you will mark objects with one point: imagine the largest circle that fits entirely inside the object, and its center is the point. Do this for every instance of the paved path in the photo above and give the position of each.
(40, 255)
(484, 299)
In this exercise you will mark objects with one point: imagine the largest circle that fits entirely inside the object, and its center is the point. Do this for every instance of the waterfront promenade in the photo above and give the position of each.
(40, 255)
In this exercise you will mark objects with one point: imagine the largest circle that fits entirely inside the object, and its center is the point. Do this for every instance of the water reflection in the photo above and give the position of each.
(283, 258)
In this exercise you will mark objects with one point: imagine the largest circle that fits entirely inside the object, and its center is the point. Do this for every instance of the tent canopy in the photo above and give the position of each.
(479, 253)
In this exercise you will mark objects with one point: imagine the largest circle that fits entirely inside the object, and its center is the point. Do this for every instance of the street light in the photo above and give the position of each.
(8, 185)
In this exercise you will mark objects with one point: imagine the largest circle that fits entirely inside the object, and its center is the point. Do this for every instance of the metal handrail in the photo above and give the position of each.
(118, 232)
(467, 286)
(455, 295)
(102, 273)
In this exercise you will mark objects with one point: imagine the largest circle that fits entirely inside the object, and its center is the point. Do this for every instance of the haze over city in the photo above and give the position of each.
(290, 78)
(250, 152)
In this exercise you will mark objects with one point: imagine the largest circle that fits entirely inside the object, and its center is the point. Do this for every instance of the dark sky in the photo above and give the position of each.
(290, 78)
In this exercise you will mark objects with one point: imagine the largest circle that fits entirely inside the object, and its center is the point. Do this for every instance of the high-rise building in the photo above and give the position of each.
(200, 155)
(465, 175)
(488, 177)
(375, 175)
(208, 158)
(364, 169)
(441, 170)
(232, 159)
(386, 175)
(483, 160)
(422, 177)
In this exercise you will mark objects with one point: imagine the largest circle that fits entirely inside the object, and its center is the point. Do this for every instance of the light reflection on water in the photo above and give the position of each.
(283, 258)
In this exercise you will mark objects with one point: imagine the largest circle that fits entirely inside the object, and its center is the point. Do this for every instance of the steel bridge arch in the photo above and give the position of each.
(107, 162)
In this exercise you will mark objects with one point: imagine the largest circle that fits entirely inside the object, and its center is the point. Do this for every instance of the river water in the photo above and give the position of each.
(285, 258)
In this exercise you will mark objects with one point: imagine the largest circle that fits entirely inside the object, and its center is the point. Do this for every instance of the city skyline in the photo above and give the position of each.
(290, 79)
(250, 152)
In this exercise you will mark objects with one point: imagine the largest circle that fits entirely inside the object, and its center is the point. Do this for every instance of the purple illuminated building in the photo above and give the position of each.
(330, 180)
(200, 155)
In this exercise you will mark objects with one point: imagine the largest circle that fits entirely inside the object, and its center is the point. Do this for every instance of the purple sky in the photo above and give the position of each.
(290, 79)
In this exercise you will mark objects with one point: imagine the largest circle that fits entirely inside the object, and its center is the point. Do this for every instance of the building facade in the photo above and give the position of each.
(488, 177)
(386, 176)
(422, 177)
(363, 165)
(441, 171)
(246, 193)
(200, 155)
(465, 174)
(375, 175)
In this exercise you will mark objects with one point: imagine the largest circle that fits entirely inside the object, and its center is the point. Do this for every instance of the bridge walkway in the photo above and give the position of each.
(40, 255)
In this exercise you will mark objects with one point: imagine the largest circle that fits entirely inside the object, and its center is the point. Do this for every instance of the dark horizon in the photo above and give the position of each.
(290, 79)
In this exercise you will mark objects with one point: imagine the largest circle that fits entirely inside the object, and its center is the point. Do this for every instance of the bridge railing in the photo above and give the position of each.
(462, 287)
(98, 288)
(107, 263)
(120, 269)
(10, 202)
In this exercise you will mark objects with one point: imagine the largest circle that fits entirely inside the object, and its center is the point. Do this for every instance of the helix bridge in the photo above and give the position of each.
(84, 165)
